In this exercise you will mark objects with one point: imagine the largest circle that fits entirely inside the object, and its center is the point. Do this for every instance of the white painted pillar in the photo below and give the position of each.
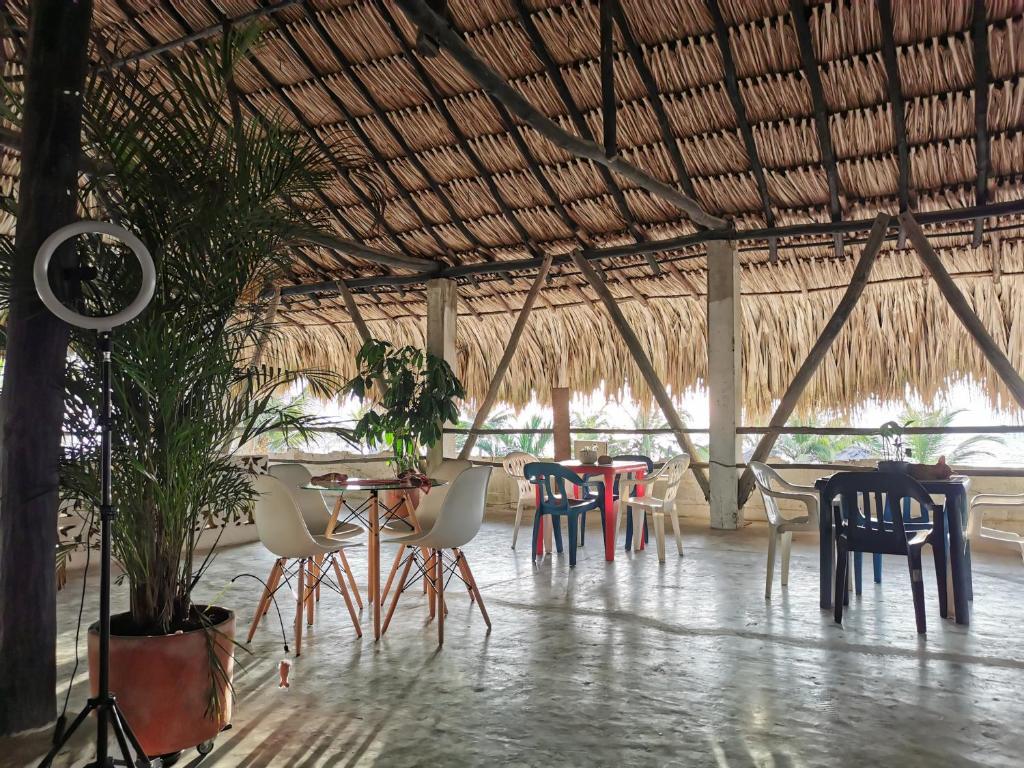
(724, 382)
(442, 314)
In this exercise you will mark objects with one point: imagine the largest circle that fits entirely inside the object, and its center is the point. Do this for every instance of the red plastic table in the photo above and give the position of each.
(608, 473)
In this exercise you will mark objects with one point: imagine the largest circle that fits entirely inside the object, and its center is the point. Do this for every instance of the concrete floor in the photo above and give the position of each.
(630, 664)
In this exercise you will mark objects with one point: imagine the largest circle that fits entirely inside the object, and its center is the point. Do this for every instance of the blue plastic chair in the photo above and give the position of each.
(863, 525)
(557, 503)
(615, 491)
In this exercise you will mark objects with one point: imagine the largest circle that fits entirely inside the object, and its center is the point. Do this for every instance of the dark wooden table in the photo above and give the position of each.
(954, 490)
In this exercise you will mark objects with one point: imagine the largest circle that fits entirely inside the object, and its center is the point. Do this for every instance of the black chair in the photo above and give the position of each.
(599, 487)
(862, 525)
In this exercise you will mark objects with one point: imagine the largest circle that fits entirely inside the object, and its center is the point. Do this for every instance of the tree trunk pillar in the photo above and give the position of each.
(561, 394)
(32, 405)
(442, 314)
(724, 381)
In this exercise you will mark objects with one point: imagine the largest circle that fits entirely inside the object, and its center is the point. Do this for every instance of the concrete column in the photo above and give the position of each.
(724, 381)
(442, 314)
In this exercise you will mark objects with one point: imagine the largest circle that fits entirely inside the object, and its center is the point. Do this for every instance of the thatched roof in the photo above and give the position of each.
(464, 182)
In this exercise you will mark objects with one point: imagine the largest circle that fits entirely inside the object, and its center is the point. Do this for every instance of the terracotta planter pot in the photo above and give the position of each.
(163, 683)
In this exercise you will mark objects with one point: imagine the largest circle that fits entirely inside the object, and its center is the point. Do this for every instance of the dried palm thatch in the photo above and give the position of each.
(465, 182)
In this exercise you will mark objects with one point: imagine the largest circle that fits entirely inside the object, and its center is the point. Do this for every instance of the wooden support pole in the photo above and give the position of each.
(858, 281)
(442, 314)
(32, 404)
(353, 311)
(724, 398)
(492, 83)
(510, 349)
(995, 356)
(643, 363)
(608, 102)
(561, 394)
(270, 314)
(979, 31)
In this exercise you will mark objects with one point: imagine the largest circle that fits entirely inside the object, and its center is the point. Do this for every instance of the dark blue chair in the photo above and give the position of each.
(557, 502)
(864, 523)
(615, 490)
(909, 522)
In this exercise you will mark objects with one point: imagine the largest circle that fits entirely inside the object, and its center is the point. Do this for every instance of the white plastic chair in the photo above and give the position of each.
(316, 513)
(283, 531)
(458, 521)
(988, 502)
(671, 474)
(513, 464)
(427, 510)
(774, 487)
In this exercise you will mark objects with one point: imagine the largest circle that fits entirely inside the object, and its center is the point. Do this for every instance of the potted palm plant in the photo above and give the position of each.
(218, 204)
(411, 394)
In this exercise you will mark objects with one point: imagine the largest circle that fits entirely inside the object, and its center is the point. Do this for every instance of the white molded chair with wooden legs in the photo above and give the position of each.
(514, 464)
(671, 474)
(283, 531)
(426, 512)
(317, 515)
(774, 487)
(989, 502)
(458, 521)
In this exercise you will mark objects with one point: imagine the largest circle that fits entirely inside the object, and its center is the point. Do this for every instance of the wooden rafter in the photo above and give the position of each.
(858, 282)
(435, 186)
(439, 104)
(492, 82)
(643, 362)
(609, 105)
(371, 148)
(732, 89)
(981, 75)
(654, 96)
(895, 87)
(506, 358)
(962, 309)
(809, 64)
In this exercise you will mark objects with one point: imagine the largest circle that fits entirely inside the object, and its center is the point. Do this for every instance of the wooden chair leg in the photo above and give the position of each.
(318, 562)
(344, 594)
(351, 578)
(261, 606)
(428, 582)
(299, 604)
(460, 560)
(476, 591)
(398, 591)
(274, 582)
(439, 566)
(391, 575)
(312, 580)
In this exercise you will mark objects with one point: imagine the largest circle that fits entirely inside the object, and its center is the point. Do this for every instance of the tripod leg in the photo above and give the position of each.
(122, 742)
(67, 735)
(130, 734)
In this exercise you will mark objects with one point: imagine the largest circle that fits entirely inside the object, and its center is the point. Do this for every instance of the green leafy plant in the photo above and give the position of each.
(412, 394)
(220, 204)
(928, 448)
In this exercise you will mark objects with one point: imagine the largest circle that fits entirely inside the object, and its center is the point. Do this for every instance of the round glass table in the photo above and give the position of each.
(373, 513)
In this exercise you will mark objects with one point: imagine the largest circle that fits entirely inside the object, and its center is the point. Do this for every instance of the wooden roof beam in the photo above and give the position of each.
(195, 35)
(385, 120)
(485, 175)
(607, 62)
(654, 96)
(799, 11)
(493, 83)
(732, 89)
(899, 115)
(979, 32)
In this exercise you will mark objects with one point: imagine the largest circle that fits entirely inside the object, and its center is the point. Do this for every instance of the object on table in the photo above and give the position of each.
(940, 470)
(587, 456)
(605, 460)
(887, 465)
(416, 480)
(331, 478)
